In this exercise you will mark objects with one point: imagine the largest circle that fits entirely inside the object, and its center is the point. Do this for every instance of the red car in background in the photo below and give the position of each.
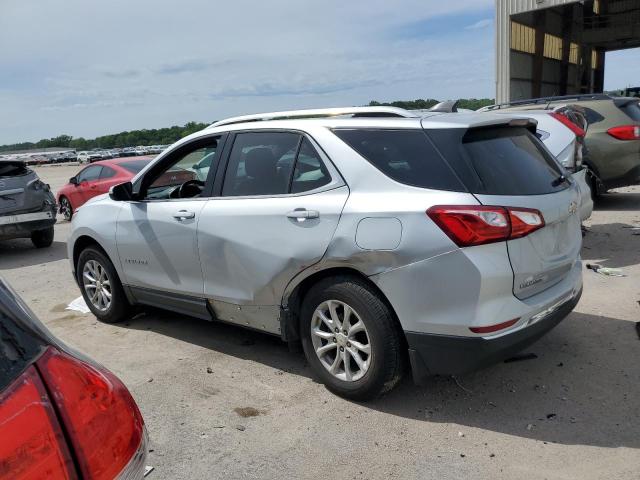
(96, 179)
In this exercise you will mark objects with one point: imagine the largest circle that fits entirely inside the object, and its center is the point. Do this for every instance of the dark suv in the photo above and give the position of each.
(27, 205)
(613, 136)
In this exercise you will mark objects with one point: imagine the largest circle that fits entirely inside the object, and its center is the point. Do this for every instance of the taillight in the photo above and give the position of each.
(578, 131)
(469, 225)
(32, 445)
(625, 132)
(102, 421)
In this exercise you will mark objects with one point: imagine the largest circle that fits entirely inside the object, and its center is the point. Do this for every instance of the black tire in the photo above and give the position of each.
(42, 238)
(119, 308)
(65, 208)
(385, 337)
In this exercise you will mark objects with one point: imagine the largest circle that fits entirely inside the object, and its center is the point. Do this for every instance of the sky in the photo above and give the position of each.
(87, 68)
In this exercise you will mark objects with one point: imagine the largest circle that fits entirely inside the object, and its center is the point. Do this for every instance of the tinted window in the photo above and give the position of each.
(632, 109)
(499, 161)
(89, 174)
(134, 166)
(107, 173)
(260, 163)
(310, 173)
(406, 156)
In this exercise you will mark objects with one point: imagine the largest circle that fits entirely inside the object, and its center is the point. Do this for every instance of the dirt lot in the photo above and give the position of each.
(571, 413)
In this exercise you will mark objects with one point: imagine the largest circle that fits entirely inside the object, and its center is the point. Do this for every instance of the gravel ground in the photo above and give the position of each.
(223, 402)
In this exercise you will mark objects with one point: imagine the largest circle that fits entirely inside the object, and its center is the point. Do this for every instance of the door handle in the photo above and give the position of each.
(302, 214)
(183, 215)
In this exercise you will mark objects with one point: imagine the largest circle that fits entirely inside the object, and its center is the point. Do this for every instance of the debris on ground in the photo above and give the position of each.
(78, 305)
(209, 370)
(530, 426)
(242, 428)
(148, 469)
(551, 416)
(610, 272)
(521, 357)
(245, 412)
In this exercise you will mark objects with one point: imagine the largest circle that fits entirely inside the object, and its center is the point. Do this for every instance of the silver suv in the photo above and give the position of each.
(371, 235)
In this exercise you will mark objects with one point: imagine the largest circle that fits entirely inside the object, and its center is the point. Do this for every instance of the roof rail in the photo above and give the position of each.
(536, 101)
(318, 113)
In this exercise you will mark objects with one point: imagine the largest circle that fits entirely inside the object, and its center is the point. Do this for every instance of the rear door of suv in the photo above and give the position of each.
(276, 206)
(508, 166)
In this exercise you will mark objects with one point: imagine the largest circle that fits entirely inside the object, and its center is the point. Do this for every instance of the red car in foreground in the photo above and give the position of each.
(62, 416)
(96, 179)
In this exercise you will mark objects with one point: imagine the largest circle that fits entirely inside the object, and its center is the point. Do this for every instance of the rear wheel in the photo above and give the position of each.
(65, 208)
(101, 287)
(42, 238)
(350, 338)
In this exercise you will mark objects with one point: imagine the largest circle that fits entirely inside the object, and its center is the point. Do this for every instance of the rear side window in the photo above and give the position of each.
(309, 172)
(406, 156)
(632, 110)
(500, 161)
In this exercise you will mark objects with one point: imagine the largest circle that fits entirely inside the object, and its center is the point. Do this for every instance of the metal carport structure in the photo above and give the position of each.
(557, 47)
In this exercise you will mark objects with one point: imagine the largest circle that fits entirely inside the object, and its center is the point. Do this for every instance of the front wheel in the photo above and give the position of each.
(350, 338)
(101, 287)
(42, 238)
(65, 208)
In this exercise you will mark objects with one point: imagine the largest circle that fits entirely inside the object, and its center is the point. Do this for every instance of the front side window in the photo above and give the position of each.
(89, 174)
(107, 173)
(185, 176)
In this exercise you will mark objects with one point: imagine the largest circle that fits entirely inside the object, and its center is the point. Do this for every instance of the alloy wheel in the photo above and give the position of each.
(340, 340)
(65, 208)
(97, 285)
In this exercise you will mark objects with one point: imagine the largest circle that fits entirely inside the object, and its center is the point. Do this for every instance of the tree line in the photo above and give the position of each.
(165, 136)
(159, 136)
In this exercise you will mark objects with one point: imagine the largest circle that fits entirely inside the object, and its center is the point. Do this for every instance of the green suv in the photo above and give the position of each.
(612, 140)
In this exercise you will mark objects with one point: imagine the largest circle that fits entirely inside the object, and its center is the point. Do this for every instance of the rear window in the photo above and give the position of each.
(11, 169)
(135, 165)
(499, 160)
(406, 156)
(632, 110)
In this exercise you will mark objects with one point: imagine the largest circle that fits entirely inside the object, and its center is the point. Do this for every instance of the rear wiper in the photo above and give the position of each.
(559, 181)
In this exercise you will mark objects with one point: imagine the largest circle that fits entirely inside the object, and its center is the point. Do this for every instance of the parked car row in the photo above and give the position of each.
(99, 154)
(344, 229)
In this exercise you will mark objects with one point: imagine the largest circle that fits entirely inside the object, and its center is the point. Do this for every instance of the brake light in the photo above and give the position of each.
(102, 421)
(625, 132)
(31, 442)
(579, 132)
(469, 225)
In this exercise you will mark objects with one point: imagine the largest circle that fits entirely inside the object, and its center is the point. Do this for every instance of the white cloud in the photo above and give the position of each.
(484, 23)
(119, 65)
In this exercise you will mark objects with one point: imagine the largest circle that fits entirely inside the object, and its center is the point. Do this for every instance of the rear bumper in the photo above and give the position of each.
(632, 177)
(432, 354)
(23, 225)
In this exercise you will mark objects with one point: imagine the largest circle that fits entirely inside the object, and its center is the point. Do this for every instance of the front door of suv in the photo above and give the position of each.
(278, 208)
(156, 236)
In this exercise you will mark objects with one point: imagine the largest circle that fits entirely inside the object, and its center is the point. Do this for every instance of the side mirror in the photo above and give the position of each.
(73, 181)
(121, 192)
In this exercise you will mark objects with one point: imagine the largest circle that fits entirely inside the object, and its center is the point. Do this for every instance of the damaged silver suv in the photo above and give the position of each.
(27, 205)
(371, 235)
